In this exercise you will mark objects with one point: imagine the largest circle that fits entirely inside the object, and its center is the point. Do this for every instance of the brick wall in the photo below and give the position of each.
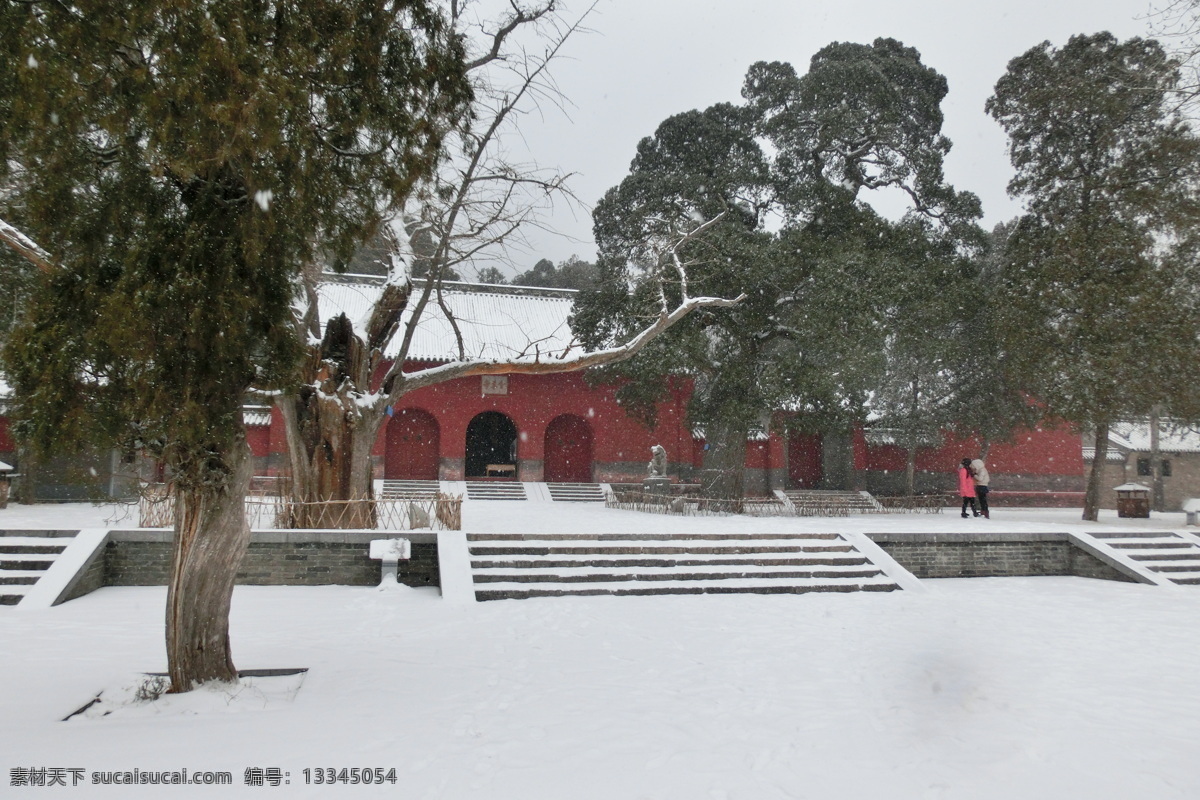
(973, 555)
(275, 558)
(91, 579)
(1182, 484)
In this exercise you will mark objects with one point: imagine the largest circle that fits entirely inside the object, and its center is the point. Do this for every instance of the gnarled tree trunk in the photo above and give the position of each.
(211, 537)
(329, 446)
(330, 433)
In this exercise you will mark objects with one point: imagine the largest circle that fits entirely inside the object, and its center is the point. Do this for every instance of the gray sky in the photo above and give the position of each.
(648, 59)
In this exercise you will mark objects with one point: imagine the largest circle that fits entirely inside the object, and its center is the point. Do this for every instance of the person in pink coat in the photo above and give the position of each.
(966, 487)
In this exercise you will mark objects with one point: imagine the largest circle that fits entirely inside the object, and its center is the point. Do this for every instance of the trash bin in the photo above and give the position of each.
(1133, 500)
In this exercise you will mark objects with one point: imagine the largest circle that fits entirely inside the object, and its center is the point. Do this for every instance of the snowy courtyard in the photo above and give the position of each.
(983, 688)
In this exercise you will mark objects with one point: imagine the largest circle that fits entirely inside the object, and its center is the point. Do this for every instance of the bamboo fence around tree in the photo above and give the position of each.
(265, 510)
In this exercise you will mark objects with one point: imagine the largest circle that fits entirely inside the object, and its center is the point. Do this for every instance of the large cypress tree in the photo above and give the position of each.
(181, 161)
(790, 171)
(1092, 316)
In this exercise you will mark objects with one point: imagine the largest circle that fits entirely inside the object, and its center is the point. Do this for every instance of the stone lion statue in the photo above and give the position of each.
(657, 468)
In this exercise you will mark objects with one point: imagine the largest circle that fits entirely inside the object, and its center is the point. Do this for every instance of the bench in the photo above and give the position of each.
(501, 469)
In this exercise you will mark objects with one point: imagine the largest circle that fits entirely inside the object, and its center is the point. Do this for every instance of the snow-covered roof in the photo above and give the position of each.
(1113, 456)
(1135, 437)
(256, 415)
(496, 322)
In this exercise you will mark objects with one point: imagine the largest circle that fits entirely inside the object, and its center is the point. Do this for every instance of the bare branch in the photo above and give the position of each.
(564, 363)
(516, 19)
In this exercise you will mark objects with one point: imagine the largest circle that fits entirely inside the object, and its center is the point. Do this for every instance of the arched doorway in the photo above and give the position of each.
(491, 443)
(413, 446)
(568, 450)
(805, 457)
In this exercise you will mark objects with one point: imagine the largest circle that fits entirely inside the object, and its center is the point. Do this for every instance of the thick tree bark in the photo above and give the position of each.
(329, 445)
(723, 474)
(211, 537)
(1091, 498)
(330, 435)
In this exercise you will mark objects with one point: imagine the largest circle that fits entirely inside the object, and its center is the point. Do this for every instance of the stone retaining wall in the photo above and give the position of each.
(980, 555)
(318, 558)
(276, 558)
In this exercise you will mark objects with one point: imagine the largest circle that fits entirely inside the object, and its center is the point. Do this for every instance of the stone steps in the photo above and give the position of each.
(19, 577)
(639, 549)
(518, 591)
(514, 566)
(587, 560)
(575, 492)
(1174, 557)
(633, 537)
(409, 490)
(670, 573)
(24, 558)
(495, 490)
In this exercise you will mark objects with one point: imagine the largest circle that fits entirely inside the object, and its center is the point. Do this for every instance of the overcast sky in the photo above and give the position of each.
(646, 60)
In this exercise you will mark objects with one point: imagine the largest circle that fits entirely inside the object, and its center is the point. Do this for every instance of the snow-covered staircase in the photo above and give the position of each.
(495, 490)
(832, 503)
(24, 558)
(576, 492)
(513, 565)
(409, 490)
(1172, 556)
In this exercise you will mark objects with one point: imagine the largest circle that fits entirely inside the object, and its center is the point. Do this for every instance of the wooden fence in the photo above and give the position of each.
(156, 509)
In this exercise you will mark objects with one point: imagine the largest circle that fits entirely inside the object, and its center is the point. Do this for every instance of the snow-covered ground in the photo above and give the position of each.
(492, 516)
(984, 688)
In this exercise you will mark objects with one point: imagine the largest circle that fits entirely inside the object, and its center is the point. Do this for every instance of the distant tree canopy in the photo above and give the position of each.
(832, 286)
(574, 273)
(1100, 313)
(490, 275)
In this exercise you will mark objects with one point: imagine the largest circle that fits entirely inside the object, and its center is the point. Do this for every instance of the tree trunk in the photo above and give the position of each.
(329, 447)
(723, 474)
(27, 486)
(1091, 499)
(910, 461)
(211, 537)
(910, 469)
(330, 434)
(1158, 497)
